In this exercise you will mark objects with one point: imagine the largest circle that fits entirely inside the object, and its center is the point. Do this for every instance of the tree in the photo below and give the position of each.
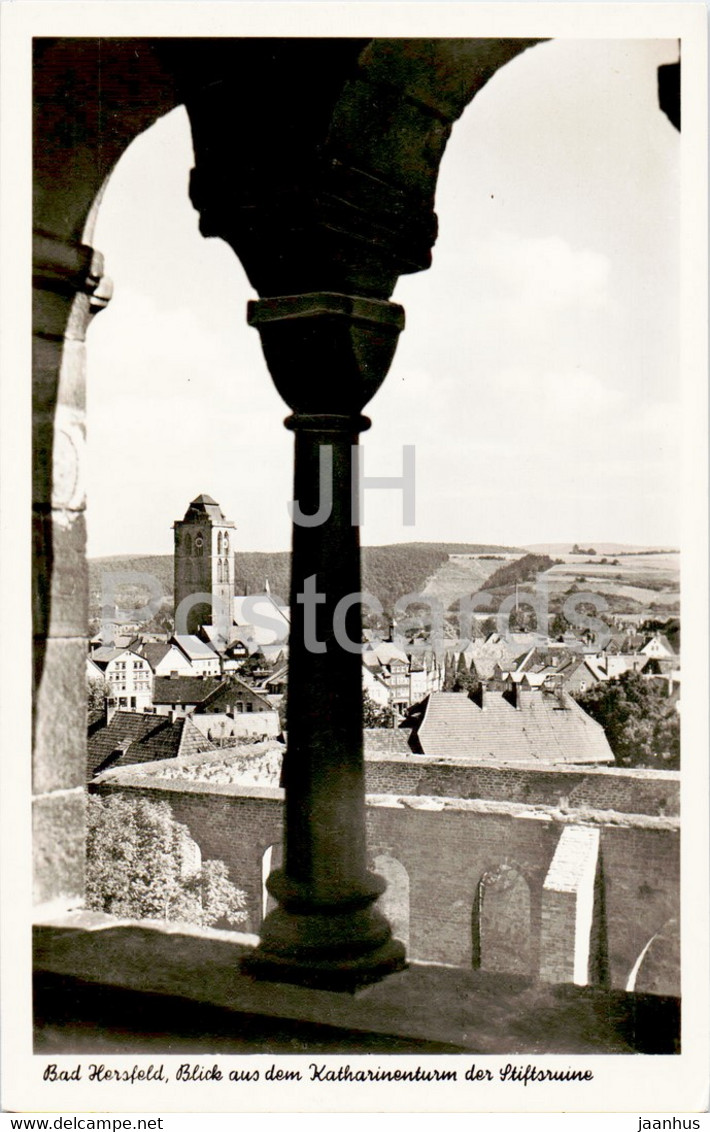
(558, 625)
(143, 864)
(373, 715)
(96, 692)
(641, 724)
(464, 679)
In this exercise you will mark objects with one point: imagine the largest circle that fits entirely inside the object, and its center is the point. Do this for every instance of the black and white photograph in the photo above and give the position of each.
(354, 534)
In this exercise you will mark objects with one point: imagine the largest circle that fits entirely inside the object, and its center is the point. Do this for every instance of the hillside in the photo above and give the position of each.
(564, 549)
(389, 572)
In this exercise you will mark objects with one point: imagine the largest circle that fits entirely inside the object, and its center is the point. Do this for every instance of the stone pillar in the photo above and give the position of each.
(68, 290)
(568, 907)
(328, 354)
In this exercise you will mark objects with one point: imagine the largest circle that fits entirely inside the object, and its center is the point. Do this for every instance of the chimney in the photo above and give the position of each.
(523, 692)
(109, 710)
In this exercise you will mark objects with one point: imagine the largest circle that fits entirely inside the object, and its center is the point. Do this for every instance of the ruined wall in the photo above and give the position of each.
(650, 792)
(445, 849)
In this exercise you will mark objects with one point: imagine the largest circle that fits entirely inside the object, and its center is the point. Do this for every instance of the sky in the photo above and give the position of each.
(538, 374)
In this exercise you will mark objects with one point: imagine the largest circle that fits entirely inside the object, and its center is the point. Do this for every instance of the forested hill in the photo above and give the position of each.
(389, 572)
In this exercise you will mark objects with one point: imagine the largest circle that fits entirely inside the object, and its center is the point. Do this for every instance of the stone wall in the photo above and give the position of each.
(650, 792)
(445, 848)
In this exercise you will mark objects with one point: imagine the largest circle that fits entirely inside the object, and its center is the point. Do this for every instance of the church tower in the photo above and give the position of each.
(204, 561)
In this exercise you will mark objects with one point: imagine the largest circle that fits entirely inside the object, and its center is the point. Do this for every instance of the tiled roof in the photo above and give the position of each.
(233, 690)
(154, 653)
(193, 647)
(205, 506)
(546, 728)
(279, 675)
(185, 689)
(387, 652)
(142, 738)
(387, 740)
(103, 655)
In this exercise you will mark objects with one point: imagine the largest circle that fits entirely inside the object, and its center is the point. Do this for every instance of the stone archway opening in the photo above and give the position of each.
(394, 902)
(501, 923)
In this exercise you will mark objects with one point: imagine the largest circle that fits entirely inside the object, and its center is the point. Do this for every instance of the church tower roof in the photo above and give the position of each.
(204, 506)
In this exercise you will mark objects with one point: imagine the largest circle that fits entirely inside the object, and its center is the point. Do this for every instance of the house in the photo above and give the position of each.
(94, 674)
(234, 697)
(129, 677)
(184, 694)
(261, 619)
(393, 678)
(521, 725)
(139, 737)
(616, 664)
(277, 683)
(580, 674)
(659, 648)
(166, 659)
(373, 683)
(203, 658)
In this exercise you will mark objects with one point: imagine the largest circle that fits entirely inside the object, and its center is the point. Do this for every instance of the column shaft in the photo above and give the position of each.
(325, 931)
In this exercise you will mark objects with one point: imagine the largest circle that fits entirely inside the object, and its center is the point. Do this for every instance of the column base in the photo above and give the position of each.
(336, 973)
(331, 949)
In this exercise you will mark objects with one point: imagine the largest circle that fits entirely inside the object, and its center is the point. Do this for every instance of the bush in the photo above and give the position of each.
(142, 864)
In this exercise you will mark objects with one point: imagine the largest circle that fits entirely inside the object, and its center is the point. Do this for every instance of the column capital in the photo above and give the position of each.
(328, 353)
(64, 266)
(317, 304)
(69, 286)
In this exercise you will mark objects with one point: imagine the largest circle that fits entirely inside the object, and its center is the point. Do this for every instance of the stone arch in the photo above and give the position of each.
(219, 542)
(394, 902)
(367, 126)
(93, 97)
(501, 922)
(187, 546)
(657, 966)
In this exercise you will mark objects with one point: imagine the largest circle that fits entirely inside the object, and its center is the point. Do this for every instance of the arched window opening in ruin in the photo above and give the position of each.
(272, 858)
(394, 902)
(539, 238)
(173, 359)
(657, 967)
(501, 924)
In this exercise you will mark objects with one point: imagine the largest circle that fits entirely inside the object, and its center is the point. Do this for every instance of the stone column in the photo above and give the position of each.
(328, 354)
(68, 290)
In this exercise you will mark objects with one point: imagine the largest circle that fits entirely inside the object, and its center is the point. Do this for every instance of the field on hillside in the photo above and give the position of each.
(462, 575)
(638, 579)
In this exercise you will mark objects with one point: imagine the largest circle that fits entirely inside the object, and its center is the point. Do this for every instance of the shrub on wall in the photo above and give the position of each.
(641, 723)
(142, 864)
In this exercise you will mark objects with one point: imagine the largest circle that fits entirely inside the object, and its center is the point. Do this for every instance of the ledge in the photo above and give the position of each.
(444, 1008)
